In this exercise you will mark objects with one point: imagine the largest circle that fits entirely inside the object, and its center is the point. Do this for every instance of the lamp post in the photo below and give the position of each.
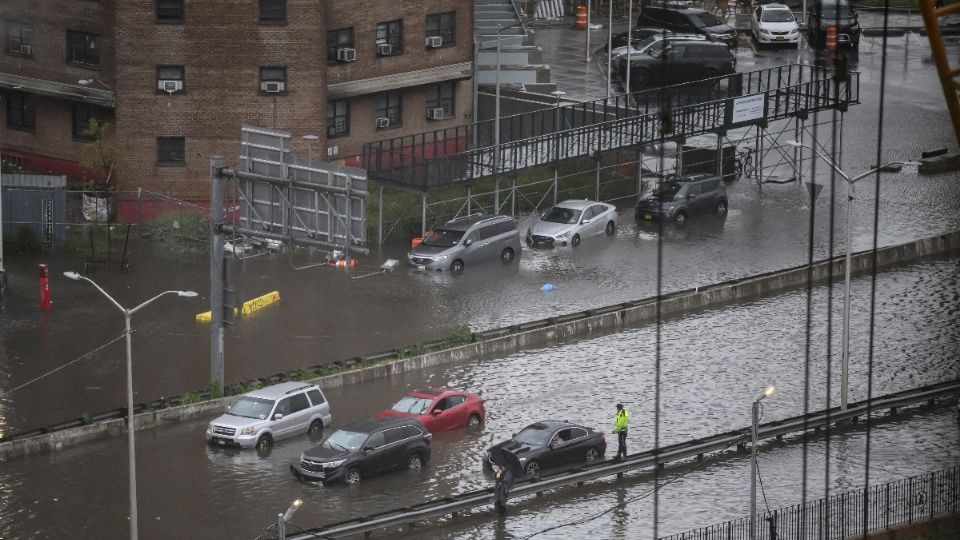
(283, 518)
(767, 392)
(557, 128)
(845, 354)
(127, 314)
(310, 139)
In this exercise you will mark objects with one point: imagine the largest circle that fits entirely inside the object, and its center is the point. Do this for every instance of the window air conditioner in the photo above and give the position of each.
(333, 150)
(346, 55)
(434, 41)
(26, 49)
(436, 114)
(170, 85)
(272, 87)
(383, 122)
(384, 49)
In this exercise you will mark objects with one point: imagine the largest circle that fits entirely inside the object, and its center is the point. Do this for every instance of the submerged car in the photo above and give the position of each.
(440, 409)
(466, 241)
(836, 13)
(269, 414)
(365, 449)
(648, 46)
(774, 23)
(681, 62)
(571, 221)
(677, 200)
(551, 443)
(689, 20)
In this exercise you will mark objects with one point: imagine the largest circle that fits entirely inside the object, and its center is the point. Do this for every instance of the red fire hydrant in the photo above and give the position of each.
(44, 288)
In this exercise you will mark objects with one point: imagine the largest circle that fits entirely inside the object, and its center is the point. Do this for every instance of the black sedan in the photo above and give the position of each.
(551, 443)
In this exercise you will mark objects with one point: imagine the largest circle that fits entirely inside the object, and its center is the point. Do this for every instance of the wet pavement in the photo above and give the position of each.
(713, 363)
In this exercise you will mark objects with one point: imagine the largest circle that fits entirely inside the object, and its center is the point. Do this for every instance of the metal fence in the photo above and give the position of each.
(847, 514)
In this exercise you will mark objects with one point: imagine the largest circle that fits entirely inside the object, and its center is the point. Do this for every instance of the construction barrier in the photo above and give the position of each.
(581, 20)
(249, 307)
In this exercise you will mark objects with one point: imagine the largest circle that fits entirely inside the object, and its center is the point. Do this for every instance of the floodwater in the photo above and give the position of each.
(713, 364)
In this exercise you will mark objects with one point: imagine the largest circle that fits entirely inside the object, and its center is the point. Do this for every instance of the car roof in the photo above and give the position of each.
(372, 424)
(775, 7)
(576, 204)
(280, 390)
(550, 425)
(464, 223)
(698, 177)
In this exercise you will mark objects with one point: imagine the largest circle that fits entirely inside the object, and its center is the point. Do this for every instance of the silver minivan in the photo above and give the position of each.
(465, 241)
(271, 413)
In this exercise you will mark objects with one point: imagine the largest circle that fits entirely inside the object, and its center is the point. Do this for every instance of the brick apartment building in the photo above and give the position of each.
(177, 78)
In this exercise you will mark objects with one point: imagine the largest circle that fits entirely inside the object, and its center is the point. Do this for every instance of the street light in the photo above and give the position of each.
(557, 128)
(310, 139)
(127, 314)
(767, 392)
(282, 519)
(845, 355)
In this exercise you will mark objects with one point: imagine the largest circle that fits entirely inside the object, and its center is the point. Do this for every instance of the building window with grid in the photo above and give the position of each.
(340, 39)
(338, 118)
(82, 115)
(390, 107)
(389, 38)
(440, 100)
(20, 113)
(273, 11)
(170, 151)
(273, 80)
(444, 26)
(20, 38)
(169, 11)
(83, 48)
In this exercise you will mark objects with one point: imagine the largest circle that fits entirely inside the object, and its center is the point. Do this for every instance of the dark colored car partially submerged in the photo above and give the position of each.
(551, 443)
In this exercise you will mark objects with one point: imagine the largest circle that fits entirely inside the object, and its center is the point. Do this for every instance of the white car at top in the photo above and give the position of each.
(774, 23)
(571, 221)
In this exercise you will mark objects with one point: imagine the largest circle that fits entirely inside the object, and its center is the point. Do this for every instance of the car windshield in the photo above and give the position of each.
(776, 15)
(413, 405)
(442, 238)
(643, 44)
(704, 20)
(835, 11)
(534, 436)
(251, 407)
(667, 191)
(341, 439)
(559, 214)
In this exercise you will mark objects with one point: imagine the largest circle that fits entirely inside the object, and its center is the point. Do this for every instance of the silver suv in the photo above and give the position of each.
(465, 241)
(679, 199)
(271, 413)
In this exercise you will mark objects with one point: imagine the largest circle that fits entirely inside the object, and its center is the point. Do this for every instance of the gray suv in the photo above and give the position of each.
(464, 241)
(271, 413)
(679, 199)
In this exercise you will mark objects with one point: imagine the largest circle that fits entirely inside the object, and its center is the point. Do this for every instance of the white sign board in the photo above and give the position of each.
(748, 109)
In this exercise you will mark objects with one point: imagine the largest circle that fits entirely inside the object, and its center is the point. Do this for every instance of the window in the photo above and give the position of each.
(375, 440)
(443, 25)
(83, 48)
(338, 118)
(298, 402)
(440, 96)
(389, 33)
(20, 38)
(316, 397)
(393, 435)
(411, 431)
(273, 11)
(273, 80)
(82, 114)
(170, 11)
(338, 39)
(20, 115)
(283, 407)
(389, 105)
(170, 151)
(169, 79)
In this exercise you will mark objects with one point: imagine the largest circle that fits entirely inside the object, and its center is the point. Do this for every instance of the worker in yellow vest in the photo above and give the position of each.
(620, 428)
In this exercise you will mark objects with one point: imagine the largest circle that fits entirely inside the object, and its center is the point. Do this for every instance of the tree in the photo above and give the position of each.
(100, 154)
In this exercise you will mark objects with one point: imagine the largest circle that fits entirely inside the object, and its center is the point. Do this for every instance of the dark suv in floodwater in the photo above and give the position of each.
(677, 200)
(680, 62)
(692, 20)
(827, 13)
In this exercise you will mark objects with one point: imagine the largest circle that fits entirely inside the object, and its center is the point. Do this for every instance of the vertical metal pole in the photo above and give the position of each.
(845, 361)
(639, 170)
(609, 42)
(513, 195)
(281, 528)
(423, 215)
(760, 136)
(797, 153)
(131, 429)
(380, 219)
(720, 155)
(349, 219)
(597, 197)
(629, 47)
(753, 470)
(589, 19)
(217, 220)
(496, 129)
(556, 178)
(3, 272)
(469, 199)
(496, 195)
(476, 88)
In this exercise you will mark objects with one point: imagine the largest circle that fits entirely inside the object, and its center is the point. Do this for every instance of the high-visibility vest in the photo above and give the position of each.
(620, 423)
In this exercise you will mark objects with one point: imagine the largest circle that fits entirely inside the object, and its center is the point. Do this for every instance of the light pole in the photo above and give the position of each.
(845, 340)
(283, 518)
(127, 314)
(610, 42)
(558, 128)
(767, 392)
(310, 139)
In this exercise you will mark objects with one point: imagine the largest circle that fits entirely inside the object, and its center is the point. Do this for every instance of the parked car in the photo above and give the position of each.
(677, 200)
(691, 20)
(637, 35)
(774, 23)
(551, 443)
(466, 241)
(571, 221)
(648, 46)
(826, 13)
(680, 62)
(365, 449)
(439, 409)
(264, 416)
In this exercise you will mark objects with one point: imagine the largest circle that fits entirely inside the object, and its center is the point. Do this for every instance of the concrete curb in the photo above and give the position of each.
(528, 335)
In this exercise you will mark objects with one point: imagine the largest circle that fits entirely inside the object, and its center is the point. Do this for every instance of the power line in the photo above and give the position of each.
(75, 360)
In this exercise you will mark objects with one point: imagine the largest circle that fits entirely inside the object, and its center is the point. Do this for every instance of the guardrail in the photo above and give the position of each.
(685, 450)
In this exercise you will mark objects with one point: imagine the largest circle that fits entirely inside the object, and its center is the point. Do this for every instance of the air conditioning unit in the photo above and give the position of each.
(170, 85)
(434, 41)
(333, 150)
(26, 49)
(384, 49)
(272, 87)
(383, 122)
(346, 55)
(436, 114)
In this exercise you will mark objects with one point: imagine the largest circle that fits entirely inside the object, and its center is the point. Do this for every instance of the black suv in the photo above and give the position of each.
(679, 62)
(826, 13)
(690, 20)
(365, 449)
(677, 200)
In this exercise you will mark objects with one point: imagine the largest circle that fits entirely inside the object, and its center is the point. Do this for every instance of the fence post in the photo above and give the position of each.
(930, 496)
(886, 507)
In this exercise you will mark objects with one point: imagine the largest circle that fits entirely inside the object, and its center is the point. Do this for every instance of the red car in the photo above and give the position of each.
(440, 409)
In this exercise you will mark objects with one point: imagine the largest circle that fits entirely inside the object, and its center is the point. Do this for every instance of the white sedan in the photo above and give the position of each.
(774, 23)
(571, 221)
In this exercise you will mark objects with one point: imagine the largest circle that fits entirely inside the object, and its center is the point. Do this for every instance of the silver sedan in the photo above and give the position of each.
(571, 221)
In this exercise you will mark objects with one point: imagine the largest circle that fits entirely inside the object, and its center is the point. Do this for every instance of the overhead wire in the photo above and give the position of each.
(68, 364)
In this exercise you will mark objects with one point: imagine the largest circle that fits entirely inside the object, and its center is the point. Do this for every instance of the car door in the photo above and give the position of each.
(299, 414)
(575, 449)
(394, 449)
(320, 407)
(374, 453)
(697, 201)
(457, 411)
(283, 422)
(670, 64)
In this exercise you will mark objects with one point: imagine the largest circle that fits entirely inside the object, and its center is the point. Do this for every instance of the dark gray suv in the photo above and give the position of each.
(679, 199)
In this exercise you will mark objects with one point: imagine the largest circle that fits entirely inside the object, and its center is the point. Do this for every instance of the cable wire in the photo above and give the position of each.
(70, 363)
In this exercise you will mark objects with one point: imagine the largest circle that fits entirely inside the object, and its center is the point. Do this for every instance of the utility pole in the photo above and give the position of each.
(217, 220)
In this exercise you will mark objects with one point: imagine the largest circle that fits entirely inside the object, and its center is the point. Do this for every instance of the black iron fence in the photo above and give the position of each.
(848, 514)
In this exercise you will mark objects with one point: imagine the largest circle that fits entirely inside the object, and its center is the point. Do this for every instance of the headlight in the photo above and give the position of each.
(333, 464)
(209, 428)
(563, 235)
(248, 431)
(441, 258)
(523, 460)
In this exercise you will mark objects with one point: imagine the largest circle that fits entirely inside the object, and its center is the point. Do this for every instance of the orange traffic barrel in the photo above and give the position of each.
(343, 263)
(415, 241)
(581, 20)
(832, 38)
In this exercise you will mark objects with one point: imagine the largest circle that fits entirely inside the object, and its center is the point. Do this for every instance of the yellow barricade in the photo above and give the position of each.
(249, 307)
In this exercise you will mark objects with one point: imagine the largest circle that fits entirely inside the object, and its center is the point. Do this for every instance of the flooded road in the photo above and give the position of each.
(713, 364)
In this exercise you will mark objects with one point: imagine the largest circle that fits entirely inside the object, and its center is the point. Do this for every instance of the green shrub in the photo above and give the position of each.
(459, 335)
(215, 389)
(87, 419)
(304, 374)
(190, 398)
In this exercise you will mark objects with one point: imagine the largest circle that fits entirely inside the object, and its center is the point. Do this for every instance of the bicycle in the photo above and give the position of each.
(744, 163)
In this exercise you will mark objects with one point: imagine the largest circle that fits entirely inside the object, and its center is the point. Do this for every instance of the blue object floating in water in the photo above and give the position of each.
(548, 287)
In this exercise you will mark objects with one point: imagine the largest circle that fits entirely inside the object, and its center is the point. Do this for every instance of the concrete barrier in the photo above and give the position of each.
(515, 338)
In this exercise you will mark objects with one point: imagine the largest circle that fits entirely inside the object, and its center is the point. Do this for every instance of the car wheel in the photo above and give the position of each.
(532, 468)
(575, 241)
(592, 454)
(264, 443)
(457, 267)
(352, 476)
(315, 430)
(473, 423)
(507, 255)
(722, 208)
(414, 462)
(680, 218)
(611, 228)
